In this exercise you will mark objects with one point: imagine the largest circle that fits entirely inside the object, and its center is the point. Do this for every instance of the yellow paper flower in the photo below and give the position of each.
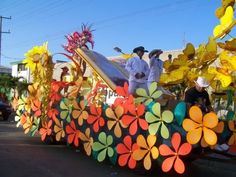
(146, 150)
(35, 57)
(198, 124)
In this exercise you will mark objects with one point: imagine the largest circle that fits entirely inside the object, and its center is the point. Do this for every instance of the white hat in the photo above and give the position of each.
(202, 82)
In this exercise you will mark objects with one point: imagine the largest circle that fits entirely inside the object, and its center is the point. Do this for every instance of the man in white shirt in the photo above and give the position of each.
(156, 66)
(138, 70)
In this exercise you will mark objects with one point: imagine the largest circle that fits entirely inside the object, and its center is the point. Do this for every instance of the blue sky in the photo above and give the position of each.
(165, 24)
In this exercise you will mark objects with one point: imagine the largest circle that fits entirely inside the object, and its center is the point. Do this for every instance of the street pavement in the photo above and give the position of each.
(25, 156)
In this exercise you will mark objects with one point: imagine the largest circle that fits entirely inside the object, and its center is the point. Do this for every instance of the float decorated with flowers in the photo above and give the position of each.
(132, 130)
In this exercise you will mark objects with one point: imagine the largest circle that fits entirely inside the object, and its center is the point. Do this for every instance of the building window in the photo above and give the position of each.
(21, 67)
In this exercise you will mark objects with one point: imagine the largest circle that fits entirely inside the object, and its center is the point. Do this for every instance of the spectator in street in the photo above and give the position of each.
(138, 70)
(170, 58)
(64, 78)
(156, 66)
(198, 96)
(64, 73)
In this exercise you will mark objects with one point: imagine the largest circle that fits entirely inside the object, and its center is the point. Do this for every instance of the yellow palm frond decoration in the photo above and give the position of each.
(222, 75)
(227, 22)
(209, 51)
(228, 45)
(221, 10)
(189, 51)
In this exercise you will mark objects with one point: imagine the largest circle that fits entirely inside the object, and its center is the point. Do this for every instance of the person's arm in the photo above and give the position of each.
(130, 67)
(146, 71)
(208, 103)
(151, 62)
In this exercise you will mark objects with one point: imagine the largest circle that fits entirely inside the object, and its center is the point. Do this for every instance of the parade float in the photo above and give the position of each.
(132, 131)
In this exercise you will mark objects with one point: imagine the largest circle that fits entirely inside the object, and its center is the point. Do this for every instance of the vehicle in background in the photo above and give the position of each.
(5, 110)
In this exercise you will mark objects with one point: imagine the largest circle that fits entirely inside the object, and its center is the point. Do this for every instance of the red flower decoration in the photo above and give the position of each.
(52, 113)
(95, 118)
(126, 150)
(73, 134)
(125, 99)
(36, 107)
(182, 150)
(135, 119)
(45, 130)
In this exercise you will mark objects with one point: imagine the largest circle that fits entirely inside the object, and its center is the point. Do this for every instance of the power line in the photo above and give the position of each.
(1, 17)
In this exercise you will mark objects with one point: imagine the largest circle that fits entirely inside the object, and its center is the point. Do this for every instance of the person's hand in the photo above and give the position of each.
(142, 75)
(137, 76)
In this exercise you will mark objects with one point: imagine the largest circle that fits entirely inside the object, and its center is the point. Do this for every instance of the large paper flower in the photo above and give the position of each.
(35, 56)
(45, 130)
(103, 146)
(88, 141)
(124, 99)
(146, 98)
(73, 134)
(79, 111)
(66, 109)
(126, 150)
(28, 124)
(145, 150)
(198, 124)
(52, 113)
(232, 139)
(59, 129)
(36, 107)
(114, 120)
(96, 118)
(173, 156)
(135, 119)
(158, 119)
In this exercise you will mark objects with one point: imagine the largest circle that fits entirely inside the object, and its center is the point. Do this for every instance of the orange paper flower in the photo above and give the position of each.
(145, 150)
(36, 107)
(114, 120)
(58, 129)
(124, 99)
(95, 118)
(73, 134)
(45, 130)
(232, 139)
(173, 156)
(135, 119)
(126, 150)
(88, 141)
(52, 113)
(198, 124)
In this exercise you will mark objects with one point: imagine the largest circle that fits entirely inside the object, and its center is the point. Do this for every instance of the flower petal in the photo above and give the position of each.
(165, 150)
(147, 162)
(194, 136)
(179, 166)
(185, 149)
(153, 128)
(189, 125)
(132, 163)
(167, 116)
(209, 136)
(168, 163)
(151, 140)
(122, 161)
(175, 141)
(210, 120)
(195, 114)
(164, 131)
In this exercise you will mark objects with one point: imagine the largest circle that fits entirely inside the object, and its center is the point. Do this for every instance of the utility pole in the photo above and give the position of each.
(1, 18)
